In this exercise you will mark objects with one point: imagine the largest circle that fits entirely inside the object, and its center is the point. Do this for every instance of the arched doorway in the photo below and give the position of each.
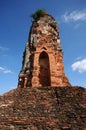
(44, 76)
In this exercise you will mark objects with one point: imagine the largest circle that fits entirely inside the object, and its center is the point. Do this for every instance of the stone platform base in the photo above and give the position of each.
(46, 108)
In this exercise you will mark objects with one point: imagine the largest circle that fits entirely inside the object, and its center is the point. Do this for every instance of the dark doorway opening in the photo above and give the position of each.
(44, 76)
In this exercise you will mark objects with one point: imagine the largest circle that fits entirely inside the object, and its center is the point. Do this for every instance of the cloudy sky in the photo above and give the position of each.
(15, 24)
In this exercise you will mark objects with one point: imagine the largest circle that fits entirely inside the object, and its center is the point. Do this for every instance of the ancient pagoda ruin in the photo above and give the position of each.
(42, 59)
(42, 100)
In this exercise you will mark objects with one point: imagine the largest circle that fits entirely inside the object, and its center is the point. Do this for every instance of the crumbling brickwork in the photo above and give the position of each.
(42, 59)
(44, 108)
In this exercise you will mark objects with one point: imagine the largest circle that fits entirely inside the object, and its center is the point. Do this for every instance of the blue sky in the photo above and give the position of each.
(15, 24)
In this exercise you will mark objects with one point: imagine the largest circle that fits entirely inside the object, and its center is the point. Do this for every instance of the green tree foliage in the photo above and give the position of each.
(38, 14)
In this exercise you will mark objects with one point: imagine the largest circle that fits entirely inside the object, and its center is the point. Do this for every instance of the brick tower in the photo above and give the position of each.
(42, 59)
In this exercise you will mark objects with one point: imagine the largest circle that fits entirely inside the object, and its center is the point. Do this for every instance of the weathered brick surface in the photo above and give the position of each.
(43, 56)
(46, 108)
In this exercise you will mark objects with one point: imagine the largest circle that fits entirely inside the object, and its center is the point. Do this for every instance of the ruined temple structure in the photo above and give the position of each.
(42, 100)
(42, 60)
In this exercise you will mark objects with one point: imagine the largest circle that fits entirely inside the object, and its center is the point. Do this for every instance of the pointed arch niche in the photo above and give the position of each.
(44, 75)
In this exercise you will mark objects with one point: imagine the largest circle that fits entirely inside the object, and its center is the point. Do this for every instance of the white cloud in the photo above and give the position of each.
(5, 71)
(75, 16)
(79, 65)
(3, 48)
(79, 58)
(77, 26)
